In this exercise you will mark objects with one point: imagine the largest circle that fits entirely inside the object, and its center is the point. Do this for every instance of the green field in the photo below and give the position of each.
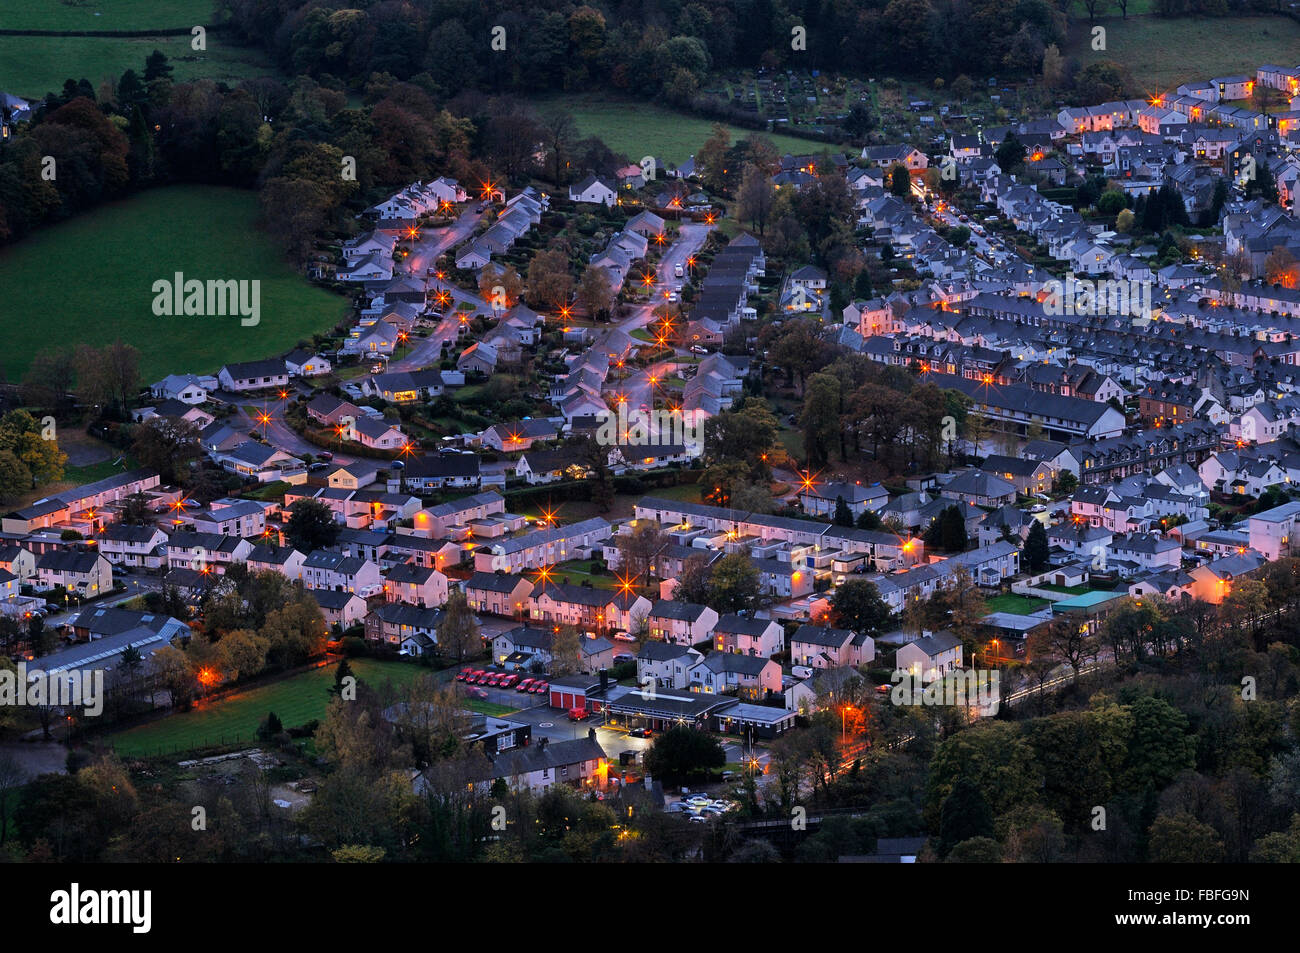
(90, 280)
(637, 129)
(296, 701)
(1160, 54)
(32, 66)
(105, 14)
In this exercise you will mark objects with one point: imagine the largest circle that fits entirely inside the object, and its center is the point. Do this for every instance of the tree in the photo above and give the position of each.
(843, 515)
(15, 478)
(34, 447)
(711, 160)
(1035, 554)
(566, 651)
(1280, 267)
(637, 550)
(755, 198)
(1182, 839)
(858, 606)
(682, 752)
(168, 445)
(156, 66)
(733, 584)
(693, 580)
(1010, 155)
(311, 526)
(549, 281)
(595, 293)
(900, 180)
(820, 418)
(458, 632)
(965, 814)
(860, 120)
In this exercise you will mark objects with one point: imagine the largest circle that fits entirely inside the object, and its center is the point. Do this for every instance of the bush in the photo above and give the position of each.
(354, 646)
(623, 670)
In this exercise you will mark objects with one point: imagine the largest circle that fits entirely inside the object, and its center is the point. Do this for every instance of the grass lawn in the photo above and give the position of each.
(682, 493)
(1067, 590)
(1160, 54)
(31, 66)
(296, 701)
(90, 280)
(1017, 605)
(639, 128)
(579, 571)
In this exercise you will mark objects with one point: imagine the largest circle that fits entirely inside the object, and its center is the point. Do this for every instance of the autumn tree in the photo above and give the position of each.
(458, 632)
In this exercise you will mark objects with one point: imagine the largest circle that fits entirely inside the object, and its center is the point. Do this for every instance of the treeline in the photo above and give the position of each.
(84, 146)
(651, 50)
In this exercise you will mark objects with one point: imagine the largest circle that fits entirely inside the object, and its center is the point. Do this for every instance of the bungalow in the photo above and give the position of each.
(187, 388)
(520, 435)
(327, 409)
(593, 190)
(253, 375)
(437, 471)
(303, 363)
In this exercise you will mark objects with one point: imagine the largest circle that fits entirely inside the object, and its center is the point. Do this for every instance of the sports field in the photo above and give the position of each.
(90, 280)
(295, 701)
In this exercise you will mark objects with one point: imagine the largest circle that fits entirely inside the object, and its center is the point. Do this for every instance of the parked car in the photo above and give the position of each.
(476, 692)
(640, 733)
(463, 674)
(508, 681)
(540, 688)
(525, 684)
(579, 714)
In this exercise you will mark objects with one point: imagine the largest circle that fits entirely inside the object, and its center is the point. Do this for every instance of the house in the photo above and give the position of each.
(343, 609)
(497, 593)
(436, 522)
(729, 673)
(303, 363)
(932, 656)
(19, 562)
(327, 409)
(529, 648)
(1272, 532)
(206, 552)
(681, 623)
(253, 375)
(593, 610)
(396, 622)
(820, 646)
(375, 433)
(520, 435)
(549, 466)
(593, 190)
(437, 471)
(187, 388)
(323, 569)
(542, 547)
(822, 499)
(142, 547)
(285, 560)
(418, 585)
(746, 636)
(89, 574)
(479, 356)
(538, 767)
(665, 663)
(230, 517)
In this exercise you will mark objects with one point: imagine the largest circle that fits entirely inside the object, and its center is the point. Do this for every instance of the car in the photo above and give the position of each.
(476, 692)
(624, 656)
(540, 688)
(673, 296)
(493, 680)
(640, 733)
(678, 271)
(462, 675)
(481, 678)
(524, 684)
(698, 819)
(51, 607)
(698, 800)
(317, 467)
(710, 811)
(882, 689)
(674, 807)
(696, 349)
(579, 714)
(508, 681)
(1038, 508)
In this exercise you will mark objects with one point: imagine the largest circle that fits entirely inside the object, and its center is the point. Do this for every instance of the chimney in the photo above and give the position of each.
(604, 680)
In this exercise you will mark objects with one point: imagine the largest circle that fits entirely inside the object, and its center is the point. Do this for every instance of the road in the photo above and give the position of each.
(690, 239)
(433, 242)
(278, 433)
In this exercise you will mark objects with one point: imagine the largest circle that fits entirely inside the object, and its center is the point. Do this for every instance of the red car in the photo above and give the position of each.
(540, 688)
(493, 679)
(508, 681)
(476, 692)
(479, 679)
(525, 684)
(463, 674)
